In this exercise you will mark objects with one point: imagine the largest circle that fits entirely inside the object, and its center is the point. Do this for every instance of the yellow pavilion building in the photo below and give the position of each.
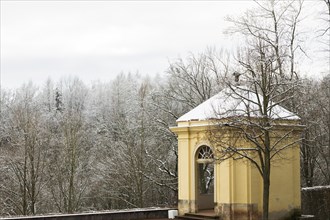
(233, 189)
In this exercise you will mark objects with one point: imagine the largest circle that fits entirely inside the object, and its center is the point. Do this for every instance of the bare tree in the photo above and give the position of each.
(313, 107)
(189, 82)
(307, 110)
(198, 78)
(322, 139)
(26, 160)
(69, 159)
(324, 31)
(268, 73)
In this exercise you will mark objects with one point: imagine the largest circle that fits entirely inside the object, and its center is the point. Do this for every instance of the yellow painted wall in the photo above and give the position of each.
(238, 184)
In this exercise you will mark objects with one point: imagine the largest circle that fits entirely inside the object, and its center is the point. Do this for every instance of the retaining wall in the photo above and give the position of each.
(113, 215)
(316, 201)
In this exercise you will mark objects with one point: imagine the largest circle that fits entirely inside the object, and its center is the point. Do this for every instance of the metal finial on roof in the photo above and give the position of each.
(236, 75)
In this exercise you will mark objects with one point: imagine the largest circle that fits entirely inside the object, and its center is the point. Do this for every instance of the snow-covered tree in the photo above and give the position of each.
(266, 67)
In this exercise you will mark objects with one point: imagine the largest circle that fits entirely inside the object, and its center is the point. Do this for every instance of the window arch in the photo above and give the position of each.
(205, 153)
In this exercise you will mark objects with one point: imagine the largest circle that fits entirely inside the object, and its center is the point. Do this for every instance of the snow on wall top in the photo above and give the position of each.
(227, 103)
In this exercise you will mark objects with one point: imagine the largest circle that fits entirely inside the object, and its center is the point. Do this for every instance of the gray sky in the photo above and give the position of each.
(95, 40)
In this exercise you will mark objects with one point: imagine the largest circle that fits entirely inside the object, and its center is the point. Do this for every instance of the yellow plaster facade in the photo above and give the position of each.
(237, 193)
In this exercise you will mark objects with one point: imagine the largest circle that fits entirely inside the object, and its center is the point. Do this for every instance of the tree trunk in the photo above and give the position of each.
(266, 186)
(266, 177)
(24, 197)
(71, 199)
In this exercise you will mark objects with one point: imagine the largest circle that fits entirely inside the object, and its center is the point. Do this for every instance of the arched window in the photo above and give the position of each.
(205, 169)
(205, 152)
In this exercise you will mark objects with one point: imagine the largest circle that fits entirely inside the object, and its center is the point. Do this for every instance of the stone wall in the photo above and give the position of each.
(316, 201)
(140, 214)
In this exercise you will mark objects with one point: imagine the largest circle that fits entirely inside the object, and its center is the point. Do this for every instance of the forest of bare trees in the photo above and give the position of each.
(68, 146)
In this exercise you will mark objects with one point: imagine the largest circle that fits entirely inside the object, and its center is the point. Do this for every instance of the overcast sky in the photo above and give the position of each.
(95, 40)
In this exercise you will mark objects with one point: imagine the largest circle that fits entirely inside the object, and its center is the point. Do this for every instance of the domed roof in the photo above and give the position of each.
(238, 102)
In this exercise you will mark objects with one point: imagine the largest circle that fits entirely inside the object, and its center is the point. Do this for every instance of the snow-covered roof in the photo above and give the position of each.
(228, 103)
